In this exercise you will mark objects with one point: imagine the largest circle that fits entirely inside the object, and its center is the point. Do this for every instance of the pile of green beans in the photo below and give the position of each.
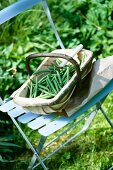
(51, 82)
(52, 79)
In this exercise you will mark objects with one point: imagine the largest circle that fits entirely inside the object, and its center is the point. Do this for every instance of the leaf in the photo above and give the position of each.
(6, 137)
(2, 160)
(7, 51)
(6, 150)
(8, 144)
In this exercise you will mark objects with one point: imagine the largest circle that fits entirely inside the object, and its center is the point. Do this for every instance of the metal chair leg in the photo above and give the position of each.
(39, 149)
(29, 144)
(111, 168)
(107, 118)
(99, 106)
(31, 164)
(89, 120)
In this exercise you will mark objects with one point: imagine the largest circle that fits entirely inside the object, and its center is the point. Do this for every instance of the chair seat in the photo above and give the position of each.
(48, 124)
(27, 117)
(45, 124)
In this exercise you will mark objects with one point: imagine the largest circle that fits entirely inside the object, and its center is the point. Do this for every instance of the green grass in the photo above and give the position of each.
(92, 150)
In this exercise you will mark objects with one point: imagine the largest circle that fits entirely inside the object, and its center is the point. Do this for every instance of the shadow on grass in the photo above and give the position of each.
(84, 153)
(92, 151)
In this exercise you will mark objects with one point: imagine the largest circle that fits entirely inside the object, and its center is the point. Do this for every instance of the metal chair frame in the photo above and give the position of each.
(47, 125)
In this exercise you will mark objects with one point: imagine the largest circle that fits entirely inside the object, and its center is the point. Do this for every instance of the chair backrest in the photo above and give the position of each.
(15, 9)
(22, 5)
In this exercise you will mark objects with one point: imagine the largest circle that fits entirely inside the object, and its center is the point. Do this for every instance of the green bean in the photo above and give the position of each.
(65, 82)
(51, 85)
(43, 87)
(64, 76)
(48, 85)
(45, 96)
(43, 90)
(42, 79)
(67, 73)
(59, 78)
(36, 88)
(46, 92)
(57, 82)
(52, 68)
(31, 89)
(56, 86)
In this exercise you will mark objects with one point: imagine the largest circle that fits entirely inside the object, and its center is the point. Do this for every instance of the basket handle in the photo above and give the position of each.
(52, 55)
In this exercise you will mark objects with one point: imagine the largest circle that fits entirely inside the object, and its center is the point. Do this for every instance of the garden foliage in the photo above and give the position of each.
(7, 147)
(89, 22)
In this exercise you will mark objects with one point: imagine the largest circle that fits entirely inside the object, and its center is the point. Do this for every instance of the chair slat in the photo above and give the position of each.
(5, 107)
(27, 117)
(41, 121)
(16, 112)
(56, 125)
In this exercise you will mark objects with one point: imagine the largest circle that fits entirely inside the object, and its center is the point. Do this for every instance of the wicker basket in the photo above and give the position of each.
(57, 103)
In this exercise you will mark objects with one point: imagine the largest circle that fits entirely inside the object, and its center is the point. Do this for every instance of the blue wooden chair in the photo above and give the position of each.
(48, 124)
